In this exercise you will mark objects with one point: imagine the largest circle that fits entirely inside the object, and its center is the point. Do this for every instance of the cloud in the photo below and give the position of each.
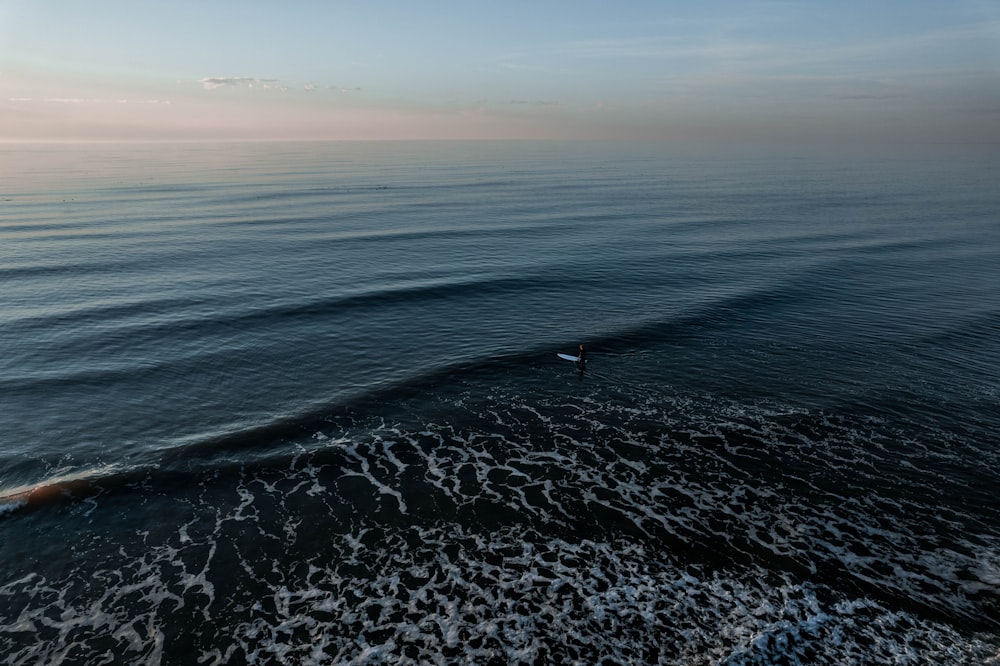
(215, 82)
(71, 100)
(340, 90)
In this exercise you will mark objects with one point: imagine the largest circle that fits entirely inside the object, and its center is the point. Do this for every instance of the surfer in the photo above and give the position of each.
(581, 361)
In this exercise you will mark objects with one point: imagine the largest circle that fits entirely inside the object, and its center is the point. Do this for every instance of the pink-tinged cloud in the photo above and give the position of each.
(215, 82)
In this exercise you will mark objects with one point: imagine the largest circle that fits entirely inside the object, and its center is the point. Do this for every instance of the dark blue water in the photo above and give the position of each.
(292, 403)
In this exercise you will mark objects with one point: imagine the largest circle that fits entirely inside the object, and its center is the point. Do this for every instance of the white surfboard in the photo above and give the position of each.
(568, 357)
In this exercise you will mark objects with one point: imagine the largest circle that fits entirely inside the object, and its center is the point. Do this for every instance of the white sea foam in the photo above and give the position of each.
(12, 505)
(576, 544)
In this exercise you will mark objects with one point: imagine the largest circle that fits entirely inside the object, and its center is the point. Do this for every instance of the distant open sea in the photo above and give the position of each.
(300, 403)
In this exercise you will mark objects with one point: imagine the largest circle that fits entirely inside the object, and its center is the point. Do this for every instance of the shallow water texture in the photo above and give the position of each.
(292, 403)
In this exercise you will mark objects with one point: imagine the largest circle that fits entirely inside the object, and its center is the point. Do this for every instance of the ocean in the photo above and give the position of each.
(300, 403)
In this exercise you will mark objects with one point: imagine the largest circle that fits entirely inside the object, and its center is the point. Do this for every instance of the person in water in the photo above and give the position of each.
(581, 361)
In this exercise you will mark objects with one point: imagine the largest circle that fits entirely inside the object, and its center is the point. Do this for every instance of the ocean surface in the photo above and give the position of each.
(300, 403)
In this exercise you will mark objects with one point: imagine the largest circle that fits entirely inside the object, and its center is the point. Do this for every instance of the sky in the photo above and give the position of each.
(700, 70)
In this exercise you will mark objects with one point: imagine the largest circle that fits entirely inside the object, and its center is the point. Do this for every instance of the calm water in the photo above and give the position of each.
(266, 403)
